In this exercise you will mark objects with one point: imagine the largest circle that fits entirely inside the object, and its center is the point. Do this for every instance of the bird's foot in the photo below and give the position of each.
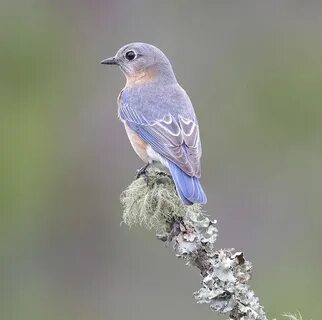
(142, 171)
(164, 174)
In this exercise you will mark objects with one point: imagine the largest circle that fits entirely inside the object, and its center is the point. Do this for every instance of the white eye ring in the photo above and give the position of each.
(130, 55)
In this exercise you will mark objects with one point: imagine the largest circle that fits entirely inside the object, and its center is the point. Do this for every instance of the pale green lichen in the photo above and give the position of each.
(292, 316)
(151, 201)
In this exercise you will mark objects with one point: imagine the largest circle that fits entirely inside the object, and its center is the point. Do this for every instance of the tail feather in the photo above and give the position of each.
(189, 188)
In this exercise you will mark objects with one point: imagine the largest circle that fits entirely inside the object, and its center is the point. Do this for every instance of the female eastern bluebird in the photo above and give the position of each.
(159, 118)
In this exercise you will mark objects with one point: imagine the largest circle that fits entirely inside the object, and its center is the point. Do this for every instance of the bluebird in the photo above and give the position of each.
(159, 118)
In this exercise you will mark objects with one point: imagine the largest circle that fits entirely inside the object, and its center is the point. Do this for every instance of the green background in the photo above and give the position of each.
(253, 70)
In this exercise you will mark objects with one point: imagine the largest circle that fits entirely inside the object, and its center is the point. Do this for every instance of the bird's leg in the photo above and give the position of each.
(142, 171)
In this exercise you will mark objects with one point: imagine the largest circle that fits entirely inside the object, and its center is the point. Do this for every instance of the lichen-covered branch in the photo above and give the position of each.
(152, 202)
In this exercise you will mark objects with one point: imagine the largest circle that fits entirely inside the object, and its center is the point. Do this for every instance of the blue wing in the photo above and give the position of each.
(171, 134)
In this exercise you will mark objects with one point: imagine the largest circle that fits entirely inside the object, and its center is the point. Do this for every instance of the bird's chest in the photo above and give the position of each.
(138, 144)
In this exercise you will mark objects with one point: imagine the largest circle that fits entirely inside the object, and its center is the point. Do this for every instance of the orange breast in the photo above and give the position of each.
(138, 144)
(142, 77)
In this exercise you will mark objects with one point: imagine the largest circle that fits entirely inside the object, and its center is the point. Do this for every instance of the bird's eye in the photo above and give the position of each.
(130, 55)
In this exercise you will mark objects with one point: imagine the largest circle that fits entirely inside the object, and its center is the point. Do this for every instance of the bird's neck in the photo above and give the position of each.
(153, 74)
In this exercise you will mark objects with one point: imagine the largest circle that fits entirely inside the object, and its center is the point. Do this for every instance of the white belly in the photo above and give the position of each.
(154, 156)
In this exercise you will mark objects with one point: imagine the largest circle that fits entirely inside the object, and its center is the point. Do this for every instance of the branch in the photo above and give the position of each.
(152, 202)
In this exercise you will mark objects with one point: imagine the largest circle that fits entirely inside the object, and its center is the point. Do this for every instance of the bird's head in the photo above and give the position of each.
(142, 62)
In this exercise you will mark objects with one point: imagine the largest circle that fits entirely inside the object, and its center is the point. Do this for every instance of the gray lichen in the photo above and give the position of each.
(152, 202)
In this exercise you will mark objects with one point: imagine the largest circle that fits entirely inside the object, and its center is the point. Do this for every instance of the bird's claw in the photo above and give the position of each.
(142, 171)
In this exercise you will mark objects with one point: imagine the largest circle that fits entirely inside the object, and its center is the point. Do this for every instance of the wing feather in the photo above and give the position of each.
(173, 136)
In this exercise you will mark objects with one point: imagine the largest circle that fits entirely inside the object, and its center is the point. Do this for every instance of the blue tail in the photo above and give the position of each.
(189, 188)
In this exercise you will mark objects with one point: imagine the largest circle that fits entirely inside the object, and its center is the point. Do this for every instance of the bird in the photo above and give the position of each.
(159, 117)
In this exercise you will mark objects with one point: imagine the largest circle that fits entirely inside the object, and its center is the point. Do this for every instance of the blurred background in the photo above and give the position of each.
(253, 70)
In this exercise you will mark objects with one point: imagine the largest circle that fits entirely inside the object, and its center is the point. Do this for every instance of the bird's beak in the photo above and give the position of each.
(111, 60)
